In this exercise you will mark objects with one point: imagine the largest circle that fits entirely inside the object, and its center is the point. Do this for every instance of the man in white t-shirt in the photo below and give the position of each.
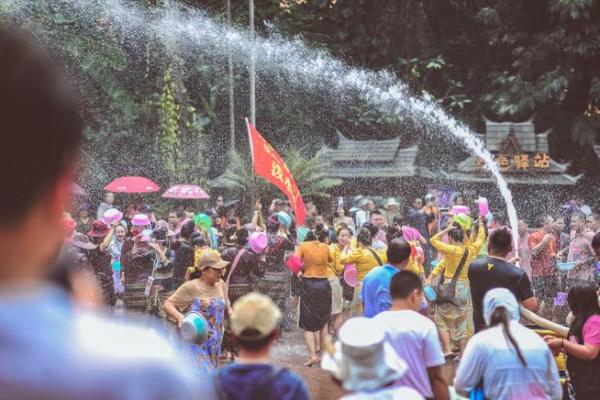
(414, 337)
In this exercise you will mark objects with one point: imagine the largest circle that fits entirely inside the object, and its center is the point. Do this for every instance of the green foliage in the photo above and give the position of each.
(309, 173)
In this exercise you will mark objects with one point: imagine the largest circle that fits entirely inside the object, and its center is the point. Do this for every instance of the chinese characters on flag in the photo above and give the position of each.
(268, 164)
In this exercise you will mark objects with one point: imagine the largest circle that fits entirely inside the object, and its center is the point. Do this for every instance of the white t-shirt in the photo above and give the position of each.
(416, 341)
(489, 356)
(393, 393)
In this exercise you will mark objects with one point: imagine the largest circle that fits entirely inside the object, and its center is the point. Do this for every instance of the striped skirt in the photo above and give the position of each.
(276, 285)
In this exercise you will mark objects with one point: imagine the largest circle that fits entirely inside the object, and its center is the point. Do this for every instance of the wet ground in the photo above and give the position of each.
(291, 353)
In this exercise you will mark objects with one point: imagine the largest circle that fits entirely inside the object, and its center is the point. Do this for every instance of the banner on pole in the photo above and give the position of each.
(268, 164)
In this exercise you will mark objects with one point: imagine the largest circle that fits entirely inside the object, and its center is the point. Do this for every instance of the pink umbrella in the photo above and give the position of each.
(185, 192)
(132, 184)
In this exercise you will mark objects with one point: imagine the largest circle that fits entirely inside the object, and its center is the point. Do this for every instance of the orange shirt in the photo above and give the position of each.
(315, 256)
(543, 263)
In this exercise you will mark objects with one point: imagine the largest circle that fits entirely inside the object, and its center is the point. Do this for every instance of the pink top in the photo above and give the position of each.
(591, 331)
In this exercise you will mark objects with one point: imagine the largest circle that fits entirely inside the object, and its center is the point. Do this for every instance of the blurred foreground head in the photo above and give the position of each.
(40, 130)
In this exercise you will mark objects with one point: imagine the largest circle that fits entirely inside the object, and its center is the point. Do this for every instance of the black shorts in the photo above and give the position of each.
(545, 287)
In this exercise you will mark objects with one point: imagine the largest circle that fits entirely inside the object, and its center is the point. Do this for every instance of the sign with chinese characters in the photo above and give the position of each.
(522, 162)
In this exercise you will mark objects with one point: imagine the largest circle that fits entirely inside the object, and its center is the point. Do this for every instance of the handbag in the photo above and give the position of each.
(446, 292)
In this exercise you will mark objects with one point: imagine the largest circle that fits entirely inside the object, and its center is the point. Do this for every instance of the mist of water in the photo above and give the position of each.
(182, 29)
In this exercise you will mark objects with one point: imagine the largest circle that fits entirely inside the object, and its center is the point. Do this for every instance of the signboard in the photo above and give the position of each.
(522, 162)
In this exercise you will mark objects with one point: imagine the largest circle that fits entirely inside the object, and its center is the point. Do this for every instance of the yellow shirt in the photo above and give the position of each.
(364, 260)
(454, 253)
(315, 256)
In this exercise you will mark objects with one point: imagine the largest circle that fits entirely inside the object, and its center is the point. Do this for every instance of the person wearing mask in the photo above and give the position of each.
(524, 249)
(365, 258)
(512, 360)
(109, 199)
(544, 247)
(113, 245)
(365, 365)
(255, 325)
(242, 276)
(452, 317)
(57, 359)
(414, 337)
(205, 293)
(276, 282)
(582, 346)
(494, 271)
(376, 284)
(580, 252)
(315, 301)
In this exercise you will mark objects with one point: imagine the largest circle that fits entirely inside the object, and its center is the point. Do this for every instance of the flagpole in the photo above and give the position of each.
(253, 192)
(252, 66)
(231, 90)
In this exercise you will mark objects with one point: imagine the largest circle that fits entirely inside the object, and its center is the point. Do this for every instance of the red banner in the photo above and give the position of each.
(269, 164)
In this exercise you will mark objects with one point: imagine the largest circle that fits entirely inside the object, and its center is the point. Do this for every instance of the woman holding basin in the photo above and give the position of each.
(205, 293)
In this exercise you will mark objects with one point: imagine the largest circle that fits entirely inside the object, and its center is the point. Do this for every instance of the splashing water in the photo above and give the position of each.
(182, 29)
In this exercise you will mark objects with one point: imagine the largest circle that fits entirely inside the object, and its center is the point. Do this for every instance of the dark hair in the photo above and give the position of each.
(160, 234)
(344, 227)
(373, 230)
(394, 231)
(187, 229)
(456, 233)
(40, 123)
(583, 302)
(273, 224)
(500, 316)
(199, 241)
(398, 251)
(258, 344)
(241, 236)
(196, 274)
(403, 284)
(376, 212)
(364, 237)
(321, 234)
(500, 242)
(596, 241)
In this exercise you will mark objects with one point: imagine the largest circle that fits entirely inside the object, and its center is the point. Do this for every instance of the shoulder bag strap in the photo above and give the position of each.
(235, 263)
(463, 261)
(377, 258)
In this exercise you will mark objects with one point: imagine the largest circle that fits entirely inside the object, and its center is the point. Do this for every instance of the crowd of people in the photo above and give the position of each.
(385, 298)
(205, 261)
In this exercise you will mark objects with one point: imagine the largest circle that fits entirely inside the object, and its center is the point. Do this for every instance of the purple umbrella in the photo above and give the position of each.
(185, 192)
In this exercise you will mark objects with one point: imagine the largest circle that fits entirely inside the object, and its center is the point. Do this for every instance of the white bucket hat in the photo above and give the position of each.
(362, 360)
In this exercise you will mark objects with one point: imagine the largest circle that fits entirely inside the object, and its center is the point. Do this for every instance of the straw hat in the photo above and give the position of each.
(362, 360)
(391, 203)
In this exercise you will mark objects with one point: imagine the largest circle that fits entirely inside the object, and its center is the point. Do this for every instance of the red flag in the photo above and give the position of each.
(268, 164)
